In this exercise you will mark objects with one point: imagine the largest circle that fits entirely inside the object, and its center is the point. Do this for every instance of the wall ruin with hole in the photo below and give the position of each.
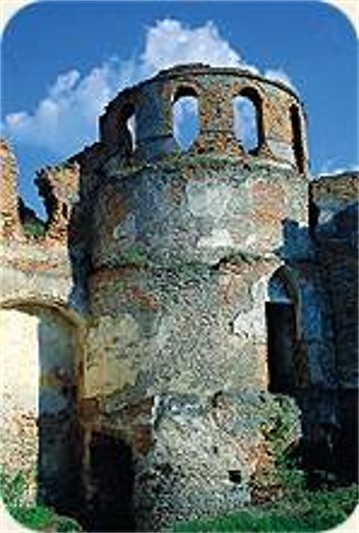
(39, 382)
(41, 336)
(163, 263)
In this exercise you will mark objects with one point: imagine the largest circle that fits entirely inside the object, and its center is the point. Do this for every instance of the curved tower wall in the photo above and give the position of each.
(185, 242)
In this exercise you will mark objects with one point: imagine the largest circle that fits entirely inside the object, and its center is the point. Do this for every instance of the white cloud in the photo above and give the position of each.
(169, 42)
(64, 83)
(279, 75)
(66, 118)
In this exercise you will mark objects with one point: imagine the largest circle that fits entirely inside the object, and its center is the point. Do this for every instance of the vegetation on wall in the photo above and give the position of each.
(35, 229)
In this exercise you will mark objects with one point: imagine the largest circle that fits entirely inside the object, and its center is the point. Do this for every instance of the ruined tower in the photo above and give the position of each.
(187, 256)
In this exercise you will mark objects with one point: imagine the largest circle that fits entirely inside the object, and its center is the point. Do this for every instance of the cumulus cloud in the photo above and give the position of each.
(169, 42)
(66, 118)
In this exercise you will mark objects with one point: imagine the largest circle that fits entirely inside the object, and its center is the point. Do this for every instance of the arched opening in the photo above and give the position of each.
(39, 350)
(128, 128)
(248, 121)
(185, 117)
(297, 141)
(286, 356)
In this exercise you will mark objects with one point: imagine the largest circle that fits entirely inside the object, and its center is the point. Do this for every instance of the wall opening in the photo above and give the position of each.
(185, 117)
(285, 347)
(131, 126)
(235, 476)
(43, 438)
(281, 330)
(297, 141)
(112, 478)
(248, 122)
(127, 125)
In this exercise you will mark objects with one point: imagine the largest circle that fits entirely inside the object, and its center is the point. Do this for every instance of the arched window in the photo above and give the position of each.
(297, 137)
(186, 124)
(128, 127)
(248, 122)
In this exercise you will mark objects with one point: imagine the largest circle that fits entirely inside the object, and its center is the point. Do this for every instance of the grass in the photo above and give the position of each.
(307, 511)
(31, 514)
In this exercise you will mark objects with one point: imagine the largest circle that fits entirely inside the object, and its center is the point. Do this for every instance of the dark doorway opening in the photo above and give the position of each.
(281, 327)
(112, 480)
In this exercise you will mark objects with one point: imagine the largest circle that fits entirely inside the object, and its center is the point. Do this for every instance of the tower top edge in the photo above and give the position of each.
(202, 69)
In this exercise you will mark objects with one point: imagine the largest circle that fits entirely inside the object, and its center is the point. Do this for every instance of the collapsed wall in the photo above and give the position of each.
(41, 336)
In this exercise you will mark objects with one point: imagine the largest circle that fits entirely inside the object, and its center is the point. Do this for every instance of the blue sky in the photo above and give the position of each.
(62, 61)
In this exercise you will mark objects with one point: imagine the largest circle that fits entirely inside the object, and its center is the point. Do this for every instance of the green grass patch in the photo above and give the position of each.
(31, 514)
(309, 511)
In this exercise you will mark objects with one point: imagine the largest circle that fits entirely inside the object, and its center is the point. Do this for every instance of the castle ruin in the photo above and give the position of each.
(177, 305)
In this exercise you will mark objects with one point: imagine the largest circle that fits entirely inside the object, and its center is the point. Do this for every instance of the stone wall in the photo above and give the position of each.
(41, 333)
(208, 453)
(335, 233)
(9, 219)
(181, 263)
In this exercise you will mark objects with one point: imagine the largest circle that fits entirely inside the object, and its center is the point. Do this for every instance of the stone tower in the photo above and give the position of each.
(187, 258)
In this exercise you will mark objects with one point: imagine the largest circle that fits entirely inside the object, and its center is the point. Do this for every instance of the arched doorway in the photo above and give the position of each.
(39, 348)
(286, 358)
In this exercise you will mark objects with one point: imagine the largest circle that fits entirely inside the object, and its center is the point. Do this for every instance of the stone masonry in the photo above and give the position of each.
(179, 308)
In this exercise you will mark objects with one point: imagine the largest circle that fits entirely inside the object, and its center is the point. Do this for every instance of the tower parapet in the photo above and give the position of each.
(280, 120)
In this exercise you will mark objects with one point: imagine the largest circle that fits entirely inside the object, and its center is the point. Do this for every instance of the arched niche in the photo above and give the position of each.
(286, 357)
(40, 359)
(248, 119)
(297, 138)
(185, 116)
